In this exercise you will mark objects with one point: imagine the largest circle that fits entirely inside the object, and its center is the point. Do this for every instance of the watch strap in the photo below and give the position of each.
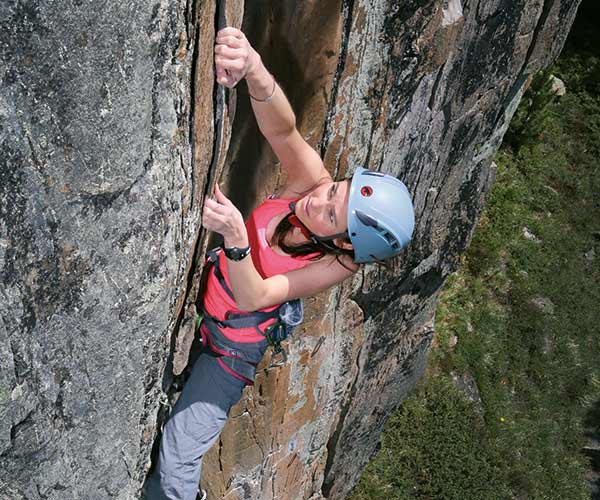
(235, 253)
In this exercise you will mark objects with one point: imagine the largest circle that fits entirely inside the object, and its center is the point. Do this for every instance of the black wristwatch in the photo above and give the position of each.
(235, 253)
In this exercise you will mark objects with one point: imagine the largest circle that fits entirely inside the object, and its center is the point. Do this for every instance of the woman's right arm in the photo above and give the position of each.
(234, 58)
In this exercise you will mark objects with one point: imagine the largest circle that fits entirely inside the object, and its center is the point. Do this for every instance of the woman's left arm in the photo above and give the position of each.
(305, 282)
(250, 290)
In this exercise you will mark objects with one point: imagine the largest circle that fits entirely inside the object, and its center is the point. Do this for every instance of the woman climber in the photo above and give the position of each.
(312, 235)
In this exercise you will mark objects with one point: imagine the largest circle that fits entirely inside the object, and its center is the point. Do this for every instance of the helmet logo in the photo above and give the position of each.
(366, 190)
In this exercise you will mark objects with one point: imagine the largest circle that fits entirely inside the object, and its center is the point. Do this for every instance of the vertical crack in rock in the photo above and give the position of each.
(435, 88)
(273, 477)
(546, 9)
(127, 468)
(334, 438)
(182, 212)
(252, 429)
(188, 280)
(375, 116)
(195, 33)
(219, 100)
(218, 107)
(190, 22)
(220, 454)
(219, 123)
(347, 10)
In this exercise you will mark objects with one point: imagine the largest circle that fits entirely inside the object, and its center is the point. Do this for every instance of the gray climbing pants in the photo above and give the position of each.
(192, 428)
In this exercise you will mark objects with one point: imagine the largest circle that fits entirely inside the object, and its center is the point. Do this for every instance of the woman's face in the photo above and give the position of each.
(324, 211)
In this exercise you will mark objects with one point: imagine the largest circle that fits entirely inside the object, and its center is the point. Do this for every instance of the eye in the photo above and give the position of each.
(330, 194)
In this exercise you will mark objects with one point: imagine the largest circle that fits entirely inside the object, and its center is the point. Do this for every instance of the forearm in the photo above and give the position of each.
(246, 283)
(275, 117)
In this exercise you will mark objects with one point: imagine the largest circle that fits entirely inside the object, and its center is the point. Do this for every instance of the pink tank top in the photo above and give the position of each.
(267, 262)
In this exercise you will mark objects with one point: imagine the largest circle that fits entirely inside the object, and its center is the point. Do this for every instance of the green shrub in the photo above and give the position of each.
(532, 115)
(433, 447)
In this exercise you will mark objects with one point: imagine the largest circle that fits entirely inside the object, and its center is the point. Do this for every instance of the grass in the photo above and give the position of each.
(522, 319)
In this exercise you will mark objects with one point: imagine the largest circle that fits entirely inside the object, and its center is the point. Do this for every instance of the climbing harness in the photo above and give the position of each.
(238, 357)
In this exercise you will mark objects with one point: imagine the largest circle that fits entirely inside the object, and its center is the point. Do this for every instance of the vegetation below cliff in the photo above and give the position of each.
(512, 393)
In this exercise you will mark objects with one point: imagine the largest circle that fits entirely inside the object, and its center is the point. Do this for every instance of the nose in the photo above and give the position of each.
(319, 202)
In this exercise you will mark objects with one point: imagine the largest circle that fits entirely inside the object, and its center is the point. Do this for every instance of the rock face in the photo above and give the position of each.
(111, 133)
(99, 210)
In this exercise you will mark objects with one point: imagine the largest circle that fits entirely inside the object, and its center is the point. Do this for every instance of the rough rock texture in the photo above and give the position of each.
(98, 215)
(111, 133)
(422, 89)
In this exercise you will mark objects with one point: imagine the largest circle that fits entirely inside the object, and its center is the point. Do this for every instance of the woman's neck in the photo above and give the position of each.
(292, 238)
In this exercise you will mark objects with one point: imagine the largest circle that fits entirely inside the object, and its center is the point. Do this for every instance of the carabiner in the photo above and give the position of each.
(278, 352)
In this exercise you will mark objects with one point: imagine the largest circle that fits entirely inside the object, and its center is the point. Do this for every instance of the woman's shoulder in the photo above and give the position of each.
(271, 206)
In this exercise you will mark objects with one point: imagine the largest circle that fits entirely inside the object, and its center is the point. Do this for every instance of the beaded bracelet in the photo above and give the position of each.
(266, 99)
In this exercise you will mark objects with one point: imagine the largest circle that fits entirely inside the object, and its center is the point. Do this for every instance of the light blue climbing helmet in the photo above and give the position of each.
(381, 217)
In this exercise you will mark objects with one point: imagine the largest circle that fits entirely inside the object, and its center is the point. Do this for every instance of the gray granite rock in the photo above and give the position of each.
(558, 86)
(108, 145)
(92, 239)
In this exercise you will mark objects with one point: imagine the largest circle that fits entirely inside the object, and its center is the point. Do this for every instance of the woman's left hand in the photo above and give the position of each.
(222, 216)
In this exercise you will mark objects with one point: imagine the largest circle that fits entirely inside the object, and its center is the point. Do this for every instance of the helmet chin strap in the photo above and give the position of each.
(327, 241)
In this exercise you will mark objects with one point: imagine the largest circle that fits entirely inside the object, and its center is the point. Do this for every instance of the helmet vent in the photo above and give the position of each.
(390, 238)
(367, 220)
